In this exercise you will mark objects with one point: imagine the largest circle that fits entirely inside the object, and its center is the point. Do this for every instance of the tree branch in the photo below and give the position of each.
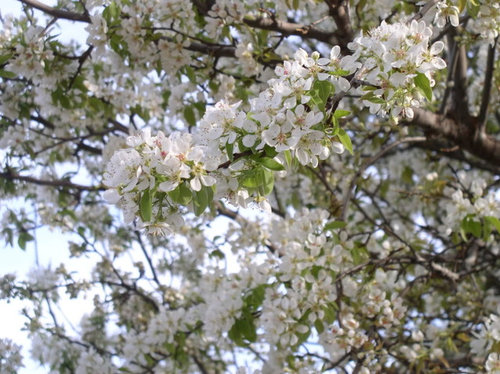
(371, 161)
(289, 28)
(460, 97)
(10, 175)
(339, 11)
(465, 134)
(57, 13)
(488, 78)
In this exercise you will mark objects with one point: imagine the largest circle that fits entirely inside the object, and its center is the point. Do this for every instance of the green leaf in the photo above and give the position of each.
(202, 199)
(370, 96)
(407, 175)
(461, 5)
(5, 58)
(422, 82)
(345, 140)
(339, 113)
(330, 312)
(24, 237)
(470, 226)
(243, 330)
(318, 324)
(190, 74)
(288, 158)
(146, 206)
(230, 151)
(7, 74)
(111, 13)
(270, 163)
(265, 178)
(495, 222)
(218, 254)
(334, 225)
(320, 93)
(189, 115)
(259, 180)
(181, 195)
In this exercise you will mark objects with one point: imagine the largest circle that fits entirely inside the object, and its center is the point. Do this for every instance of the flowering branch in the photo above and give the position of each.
(57, 13)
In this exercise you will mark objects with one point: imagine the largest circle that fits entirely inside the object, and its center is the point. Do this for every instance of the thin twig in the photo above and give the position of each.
(371, 161)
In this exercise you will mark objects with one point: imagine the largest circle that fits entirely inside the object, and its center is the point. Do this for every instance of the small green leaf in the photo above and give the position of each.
(407, 175)
(190, 74)
(320, 93)
(422, 82)
(265, 178)
(345, 140)
(7, 74)
(230, 151)
(318, 324)
(461, 5)
(5, 58)
(24, 237)
(202, 199)
(370, 96)
(270, 163)
(217, 254)
(288, 158)
(146, 206)
(494, 222)
(189, 115)
(334, 225)
(181, 195)
(339, 113)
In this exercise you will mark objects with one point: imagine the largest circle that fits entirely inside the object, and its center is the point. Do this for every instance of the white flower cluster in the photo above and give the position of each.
(474, 202)
(398, 64)
(283, 118)
(488, 20)
(487, 336)
(285, 121)
(10, 356)
(155, 163)
(443, 11)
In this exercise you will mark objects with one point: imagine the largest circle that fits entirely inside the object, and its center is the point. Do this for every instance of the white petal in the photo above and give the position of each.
(249, 140)
(195, 183)
(337, 147)
(168, 186)
(111, 196)
(454, 20)
(437, 48)
(438, 63)
(207, 180)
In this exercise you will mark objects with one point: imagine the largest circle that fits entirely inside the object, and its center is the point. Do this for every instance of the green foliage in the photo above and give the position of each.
(423, 83)
(202, 199)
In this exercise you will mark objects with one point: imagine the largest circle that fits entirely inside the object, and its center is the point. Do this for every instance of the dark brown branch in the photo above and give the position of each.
(43, 121)
(57, 13)
(488, 78)
(10, 175)
(215, 50)
(289, 28)
(339, 11)
(456, 153)
(464, 133)
(460, 97)
(81, 61)
(452, 65)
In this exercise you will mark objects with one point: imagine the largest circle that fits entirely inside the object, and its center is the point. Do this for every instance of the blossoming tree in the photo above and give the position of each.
(264, 187)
